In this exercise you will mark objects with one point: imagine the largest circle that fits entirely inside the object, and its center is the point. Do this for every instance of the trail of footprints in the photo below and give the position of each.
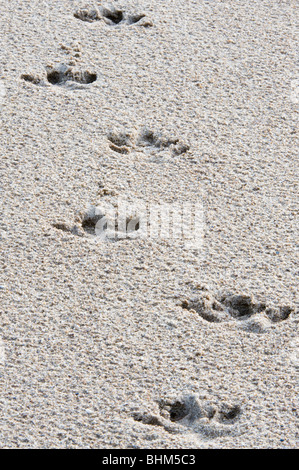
(252, 316)
(208, 419)
(66, 74)
(96, 218)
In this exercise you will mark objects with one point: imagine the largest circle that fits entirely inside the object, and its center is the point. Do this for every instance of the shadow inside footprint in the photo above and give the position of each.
(112, 15)
(115, 16)
(147, 418)
(120, 142)
(89, 15)
(108, 225)
(178, 410)
(31, 78)
(132, 19)
(185, 408)
(150, 139)
(279, 314)
(208, 308)
(228, 413)
(90, 220)
(72, 229)
(242, 305)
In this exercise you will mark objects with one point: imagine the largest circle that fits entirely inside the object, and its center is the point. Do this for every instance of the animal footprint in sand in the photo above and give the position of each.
(146, 141)
(36, 80)
(187, 413)
(112, 16)
(62, 74)
(253, 316)
(150, 139)
(105, 223)
(88, 14)
(121, 142)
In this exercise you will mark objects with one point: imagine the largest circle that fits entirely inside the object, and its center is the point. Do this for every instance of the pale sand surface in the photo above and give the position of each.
(117, 345)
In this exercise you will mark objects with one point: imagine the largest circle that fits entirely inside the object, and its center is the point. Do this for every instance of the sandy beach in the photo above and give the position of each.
(149, 224)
